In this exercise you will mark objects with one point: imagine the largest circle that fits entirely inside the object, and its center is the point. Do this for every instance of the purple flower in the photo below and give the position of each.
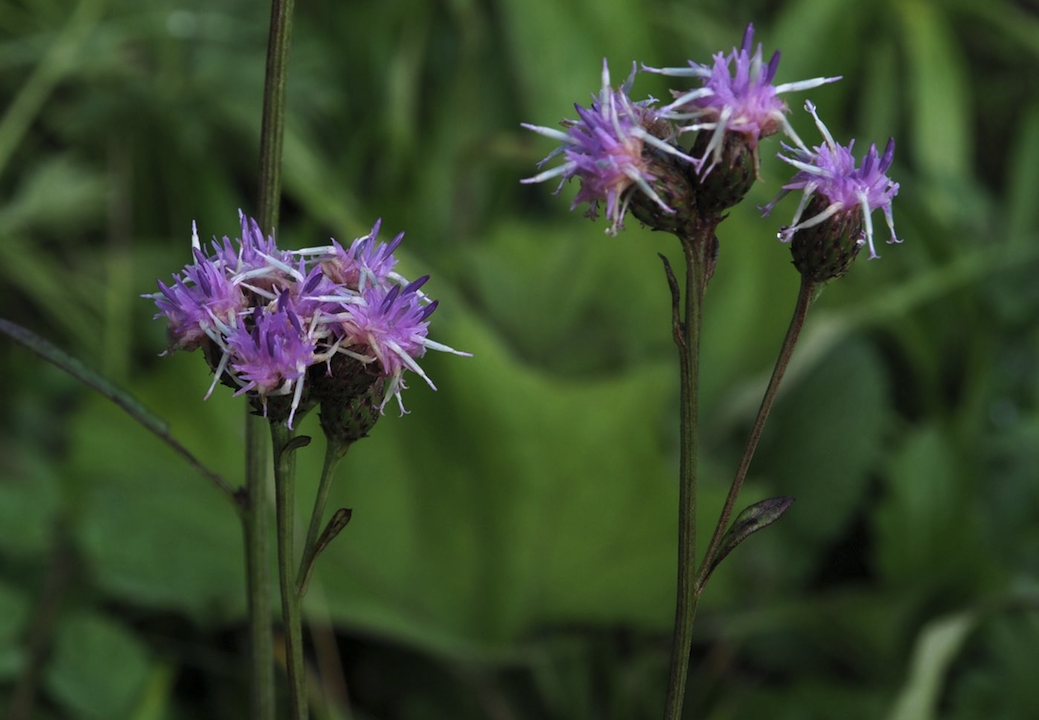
(257, 264)
(264, 316)
(201, 303)
(829, 172)
(271, 355)
(366, 261)
(605, 149)
(390, 327)
(737, 96)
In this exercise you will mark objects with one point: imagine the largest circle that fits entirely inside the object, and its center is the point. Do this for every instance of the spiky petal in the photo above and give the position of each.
(605, 148)
(829, 171)
(737, 95)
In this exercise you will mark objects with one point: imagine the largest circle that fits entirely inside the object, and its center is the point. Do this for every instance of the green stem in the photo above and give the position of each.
(255, 525)
(273, 128)
(687, 338)
(334, 452)
(284, 493)
(257, 502)
(807, 295)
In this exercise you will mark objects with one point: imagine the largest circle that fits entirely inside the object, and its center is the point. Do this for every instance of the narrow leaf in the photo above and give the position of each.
(62, 360)
(339, 520)
(757, 516)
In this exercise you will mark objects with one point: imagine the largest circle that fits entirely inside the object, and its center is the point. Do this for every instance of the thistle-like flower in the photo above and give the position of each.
(199, 305)
(838, 198)
(737, 97)
(273, 324)
(270, 355)
(608, 149)
(390, 328)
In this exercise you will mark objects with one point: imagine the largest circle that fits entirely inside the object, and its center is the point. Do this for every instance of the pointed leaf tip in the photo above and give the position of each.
(753, 518)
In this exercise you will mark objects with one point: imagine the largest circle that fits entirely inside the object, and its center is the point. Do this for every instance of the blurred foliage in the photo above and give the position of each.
(511, 550)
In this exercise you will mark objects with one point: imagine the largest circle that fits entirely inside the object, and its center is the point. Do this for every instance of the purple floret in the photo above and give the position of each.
(830, 171)
(737, 96)
(366, 261)
(272, 356)
(604, 149)
(201, 302)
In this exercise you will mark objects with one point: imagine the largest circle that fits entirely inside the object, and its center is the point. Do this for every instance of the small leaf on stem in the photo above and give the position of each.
(339, 520)
(300, 441)
(757, 516)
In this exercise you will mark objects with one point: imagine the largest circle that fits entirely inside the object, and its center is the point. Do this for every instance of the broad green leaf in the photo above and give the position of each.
(821, 442)
(152, 531)
(14, 617)
(30, 497)
(508, 500)
(124, 400)
(925, 527)
(98, 668)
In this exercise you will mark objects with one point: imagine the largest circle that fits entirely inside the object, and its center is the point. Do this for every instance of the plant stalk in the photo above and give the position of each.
(687, 338)
(272, 130)
(806, 296)
(256, 528)
(255, 517)
(284, 496)
(334, 453)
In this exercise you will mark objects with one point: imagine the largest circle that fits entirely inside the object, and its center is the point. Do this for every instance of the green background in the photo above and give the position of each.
(511, 553)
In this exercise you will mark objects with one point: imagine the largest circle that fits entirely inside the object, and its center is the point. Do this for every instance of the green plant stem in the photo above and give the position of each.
(257, 503)
(687, 338)
(284, 494)
(272, 131)
(334, 452)
(806, 296)
(256, 527)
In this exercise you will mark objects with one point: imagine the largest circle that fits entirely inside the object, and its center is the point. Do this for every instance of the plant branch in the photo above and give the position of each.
(334, 452)
(806, 296)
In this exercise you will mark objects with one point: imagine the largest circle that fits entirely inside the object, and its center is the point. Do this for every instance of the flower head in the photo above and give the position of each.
(607, 149)
(275, 324)
(198, 304)
(271, 354)
(390, 328)
(737, 96)
(365, 262)
(838, 193)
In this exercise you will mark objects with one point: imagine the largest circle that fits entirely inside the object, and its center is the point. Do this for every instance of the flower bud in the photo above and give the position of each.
(825, 251)
(730, 178)
(348, 420)
(672, 183)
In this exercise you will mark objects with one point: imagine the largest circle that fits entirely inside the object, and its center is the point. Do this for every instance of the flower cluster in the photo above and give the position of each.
(628, 154)
(291, 329)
